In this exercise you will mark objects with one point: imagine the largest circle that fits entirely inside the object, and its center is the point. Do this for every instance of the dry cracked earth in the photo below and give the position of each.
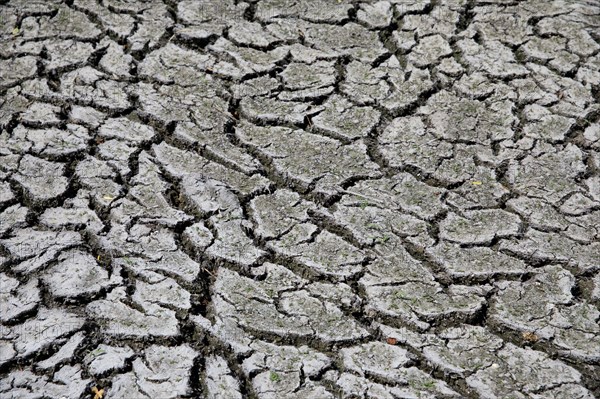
(300, 199)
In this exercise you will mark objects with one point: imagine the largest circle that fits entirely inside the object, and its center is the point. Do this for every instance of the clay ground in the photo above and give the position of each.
(300, 199)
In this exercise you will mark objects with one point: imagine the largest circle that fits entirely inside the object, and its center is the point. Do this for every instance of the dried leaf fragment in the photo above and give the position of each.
(98, 393)
(530, 337)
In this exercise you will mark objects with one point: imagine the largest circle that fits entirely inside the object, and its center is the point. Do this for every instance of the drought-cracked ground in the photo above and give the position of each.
(300, 199)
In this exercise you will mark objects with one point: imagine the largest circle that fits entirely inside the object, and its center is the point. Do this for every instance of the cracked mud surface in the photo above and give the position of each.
(300, 199)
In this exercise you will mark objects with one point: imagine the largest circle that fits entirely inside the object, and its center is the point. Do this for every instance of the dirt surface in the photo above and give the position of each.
(300, 199)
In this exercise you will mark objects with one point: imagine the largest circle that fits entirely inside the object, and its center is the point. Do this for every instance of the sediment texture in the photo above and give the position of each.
(300, 199)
